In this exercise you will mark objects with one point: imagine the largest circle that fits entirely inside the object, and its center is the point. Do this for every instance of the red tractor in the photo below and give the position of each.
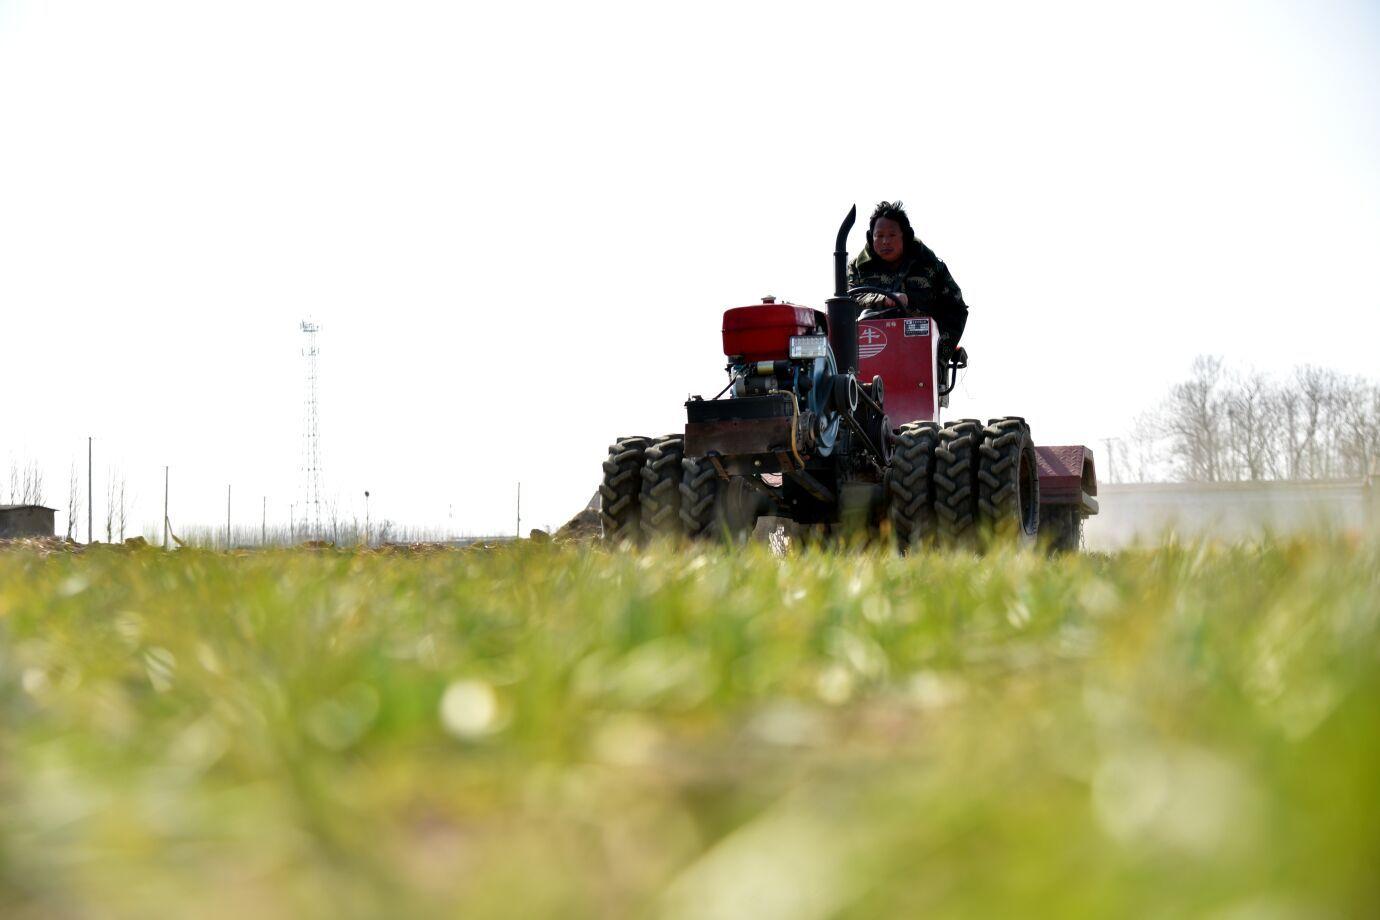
(834, 422)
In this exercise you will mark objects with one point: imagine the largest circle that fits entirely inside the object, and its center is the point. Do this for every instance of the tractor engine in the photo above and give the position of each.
(781, 377)
(790, 404)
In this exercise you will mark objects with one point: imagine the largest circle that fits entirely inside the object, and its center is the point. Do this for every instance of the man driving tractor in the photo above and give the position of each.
(921, 284)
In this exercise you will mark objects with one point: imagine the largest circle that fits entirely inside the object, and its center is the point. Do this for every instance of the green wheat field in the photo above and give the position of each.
(538, 730)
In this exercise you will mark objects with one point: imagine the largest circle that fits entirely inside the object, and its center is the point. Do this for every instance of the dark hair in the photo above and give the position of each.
(892, 210)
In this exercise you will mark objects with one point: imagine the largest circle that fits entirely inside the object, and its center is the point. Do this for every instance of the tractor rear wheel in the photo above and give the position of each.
(620, 491)
(662, 472)
(1061, 528)
(909, 486)
(1008, 484)
(956, 484)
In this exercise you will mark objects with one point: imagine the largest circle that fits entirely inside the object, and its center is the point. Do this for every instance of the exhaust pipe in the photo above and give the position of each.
(843, 312)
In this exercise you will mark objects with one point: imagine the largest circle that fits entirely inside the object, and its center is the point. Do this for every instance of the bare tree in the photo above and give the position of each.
(120, 515)
(26, 482)
(1367, 433)
(1301, 413)
(1357, 419)
(32, 493)
(1193, 422)
(1252, 427)
(73, 500)
(110, 506)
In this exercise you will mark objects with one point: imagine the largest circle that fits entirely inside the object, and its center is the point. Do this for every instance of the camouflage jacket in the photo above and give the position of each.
(929, 288)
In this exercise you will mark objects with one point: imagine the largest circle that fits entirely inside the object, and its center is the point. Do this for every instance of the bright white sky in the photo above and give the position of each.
(518, 223)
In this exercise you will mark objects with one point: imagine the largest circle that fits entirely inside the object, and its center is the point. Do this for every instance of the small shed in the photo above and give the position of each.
(26, 521)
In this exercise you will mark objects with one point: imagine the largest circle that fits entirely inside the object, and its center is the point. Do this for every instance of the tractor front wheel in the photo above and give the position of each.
(909, 485)
(620, 491)
(956, 484)
(1008, 484)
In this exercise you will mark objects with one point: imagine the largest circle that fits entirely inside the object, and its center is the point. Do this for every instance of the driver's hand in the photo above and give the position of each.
(898, 300)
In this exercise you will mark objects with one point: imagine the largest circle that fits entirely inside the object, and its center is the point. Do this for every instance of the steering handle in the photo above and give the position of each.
(872, 289)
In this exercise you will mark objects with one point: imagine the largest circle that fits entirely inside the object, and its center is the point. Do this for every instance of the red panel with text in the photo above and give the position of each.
(904, 352)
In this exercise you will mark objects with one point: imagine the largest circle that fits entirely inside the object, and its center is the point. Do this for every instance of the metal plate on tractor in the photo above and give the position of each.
(743, 407)
(733, 427)
(736, 437)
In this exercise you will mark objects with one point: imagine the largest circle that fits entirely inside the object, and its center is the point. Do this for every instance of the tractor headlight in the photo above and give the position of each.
(809, 346)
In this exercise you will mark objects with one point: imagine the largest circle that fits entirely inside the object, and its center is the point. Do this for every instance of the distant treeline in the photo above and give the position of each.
(1225, 425)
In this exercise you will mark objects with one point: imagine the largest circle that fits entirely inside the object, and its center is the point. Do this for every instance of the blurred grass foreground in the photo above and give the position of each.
(542, 730)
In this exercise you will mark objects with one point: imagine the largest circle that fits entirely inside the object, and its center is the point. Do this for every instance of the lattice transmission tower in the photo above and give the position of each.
(311, 441)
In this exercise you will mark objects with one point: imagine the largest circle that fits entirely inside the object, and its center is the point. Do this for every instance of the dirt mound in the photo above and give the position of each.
(583, 527)
(42, 546)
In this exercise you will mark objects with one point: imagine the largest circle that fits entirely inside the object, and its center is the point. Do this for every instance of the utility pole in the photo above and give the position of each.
(165, 507)
(227, 516)
(519, 512)
(1111, 458)
(89, 516)
(366, 517)
(263, 525)
(311, 446)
